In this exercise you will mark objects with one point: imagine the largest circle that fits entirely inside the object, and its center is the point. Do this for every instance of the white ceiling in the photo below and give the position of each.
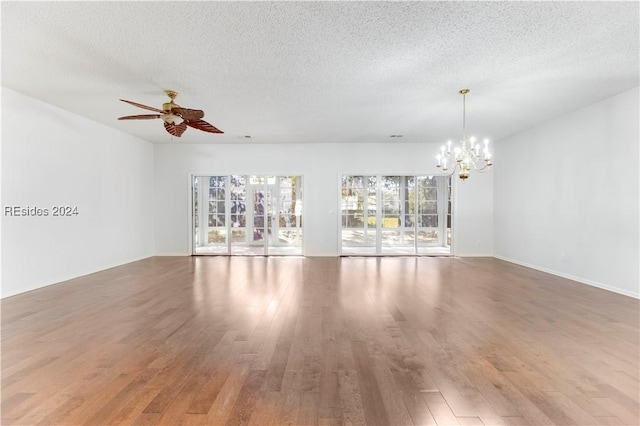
(299, 72)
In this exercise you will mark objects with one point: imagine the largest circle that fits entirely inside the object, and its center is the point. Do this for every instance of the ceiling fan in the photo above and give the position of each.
(175, 118)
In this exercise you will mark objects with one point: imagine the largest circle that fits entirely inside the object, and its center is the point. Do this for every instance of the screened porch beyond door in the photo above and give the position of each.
(395, 215)
(251, 215)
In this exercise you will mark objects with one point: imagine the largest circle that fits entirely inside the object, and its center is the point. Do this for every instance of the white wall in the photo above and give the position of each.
(473, 208)
(52, 157)
(566, 195)
(320, 164)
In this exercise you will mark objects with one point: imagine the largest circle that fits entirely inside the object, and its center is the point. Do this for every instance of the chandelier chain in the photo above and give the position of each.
(464, 118)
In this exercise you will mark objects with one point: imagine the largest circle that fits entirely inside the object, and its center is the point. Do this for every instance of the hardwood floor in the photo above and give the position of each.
(274, 341)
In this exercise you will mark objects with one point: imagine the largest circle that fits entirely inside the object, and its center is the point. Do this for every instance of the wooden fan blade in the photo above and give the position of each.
(181, 128)
(139, 117)
(143, 106)
(175, 129)
(202, 125)
(188, 114)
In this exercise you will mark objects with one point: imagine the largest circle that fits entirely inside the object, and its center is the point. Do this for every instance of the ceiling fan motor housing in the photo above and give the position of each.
(167, 107)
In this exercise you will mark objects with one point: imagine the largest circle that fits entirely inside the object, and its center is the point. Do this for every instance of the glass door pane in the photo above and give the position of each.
(238, 212)
(427, 214)
(396, 238)
(409, 213)
(248, 232)
(209, 215)
(372, 218)
(434, 214)
(217, 229)
(259, 204)
(354, 214)
(285, 216)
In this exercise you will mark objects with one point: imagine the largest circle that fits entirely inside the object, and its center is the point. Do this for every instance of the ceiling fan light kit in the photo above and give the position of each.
(467, 155)
(174, 117)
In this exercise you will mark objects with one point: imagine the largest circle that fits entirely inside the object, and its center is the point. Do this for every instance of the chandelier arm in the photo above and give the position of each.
(481, 169)
(453, 169)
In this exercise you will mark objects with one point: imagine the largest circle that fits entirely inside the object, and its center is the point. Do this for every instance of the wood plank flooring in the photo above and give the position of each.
(320, 341)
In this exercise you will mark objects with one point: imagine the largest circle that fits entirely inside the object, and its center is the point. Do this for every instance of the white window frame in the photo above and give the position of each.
(271, 216)
(442, 188)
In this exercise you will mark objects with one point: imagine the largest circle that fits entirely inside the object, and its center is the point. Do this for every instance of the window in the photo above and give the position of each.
(247, 215)
(395, 214)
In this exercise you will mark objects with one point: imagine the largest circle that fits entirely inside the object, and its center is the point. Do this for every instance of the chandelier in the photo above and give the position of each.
(467, 155)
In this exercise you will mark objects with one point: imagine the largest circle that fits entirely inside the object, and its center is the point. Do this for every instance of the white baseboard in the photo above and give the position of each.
(570, 277)
(171, 254)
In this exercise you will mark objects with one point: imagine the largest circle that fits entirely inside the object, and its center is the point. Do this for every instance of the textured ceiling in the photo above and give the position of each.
(323, 71)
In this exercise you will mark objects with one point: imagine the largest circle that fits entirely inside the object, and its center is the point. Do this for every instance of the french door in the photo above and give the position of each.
(403, 214)
(247, 215)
